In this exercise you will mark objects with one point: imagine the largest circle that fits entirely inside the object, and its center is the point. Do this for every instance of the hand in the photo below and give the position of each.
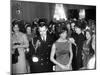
(15, 46)
(27, 50)
(68, 67)
(72, 41)
(38, 43)
(64, 67)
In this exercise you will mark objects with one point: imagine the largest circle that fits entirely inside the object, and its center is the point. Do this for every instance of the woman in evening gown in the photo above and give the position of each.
(92, 62)
(87, 48)
(63, 52)
(31, 49)
(22, 44)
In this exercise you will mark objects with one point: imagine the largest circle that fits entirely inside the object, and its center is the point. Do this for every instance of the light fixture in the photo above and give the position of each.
(18, 8)
(82, 14)
(59, 13)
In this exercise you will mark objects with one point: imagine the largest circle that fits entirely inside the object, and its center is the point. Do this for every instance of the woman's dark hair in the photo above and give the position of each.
(28, 25)
(80, 24)
(15, 23)
(20, 25)
(90, 32)
(62, 29)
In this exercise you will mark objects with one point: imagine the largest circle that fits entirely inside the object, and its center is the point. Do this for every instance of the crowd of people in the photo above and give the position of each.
(55, 46)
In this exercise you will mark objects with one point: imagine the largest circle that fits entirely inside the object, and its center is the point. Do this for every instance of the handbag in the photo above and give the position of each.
(15, 56)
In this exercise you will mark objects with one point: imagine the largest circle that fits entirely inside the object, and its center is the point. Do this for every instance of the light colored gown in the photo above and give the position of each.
(20, 66)
(92, 63)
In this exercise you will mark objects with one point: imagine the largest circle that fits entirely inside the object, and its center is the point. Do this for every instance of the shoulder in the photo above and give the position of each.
(23, 35)
(55, 43)
(12, 34)
(68, 41)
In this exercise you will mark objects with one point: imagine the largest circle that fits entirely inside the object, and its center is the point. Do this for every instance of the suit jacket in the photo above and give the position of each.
(43, 53)
(44, 50)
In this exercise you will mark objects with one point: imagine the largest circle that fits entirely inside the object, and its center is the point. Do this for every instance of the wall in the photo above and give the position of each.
(30, 10)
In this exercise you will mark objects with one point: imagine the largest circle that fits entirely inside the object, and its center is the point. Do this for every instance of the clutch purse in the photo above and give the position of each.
(15, 56)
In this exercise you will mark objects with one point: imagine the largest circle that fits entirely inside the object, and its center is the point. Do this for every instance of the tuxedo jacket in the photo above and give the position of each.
(44, 50)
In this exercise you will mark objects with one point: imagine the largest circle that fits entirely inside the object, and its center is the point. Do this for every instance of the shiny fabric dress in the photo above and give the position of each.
(20, 66)
(62, 54)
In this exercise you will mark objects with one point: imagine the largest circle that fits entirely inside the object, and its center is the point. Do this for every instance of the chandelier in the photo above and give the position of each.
(59, 13)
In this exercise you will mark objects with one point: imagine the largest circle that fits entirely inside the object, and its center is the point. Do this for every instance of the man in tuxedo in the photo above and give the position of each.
(41, 58)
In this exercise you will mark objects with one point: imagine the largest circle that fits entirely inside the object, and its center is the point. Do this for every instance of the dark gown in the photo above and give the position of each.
(74, 64)
(31, 51)
(62, 54)
(79, 42)
(77, 62)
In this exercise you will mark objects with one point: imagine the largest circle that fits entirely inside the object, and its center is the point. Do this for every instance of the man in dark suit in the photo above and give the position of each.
(41, 58)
